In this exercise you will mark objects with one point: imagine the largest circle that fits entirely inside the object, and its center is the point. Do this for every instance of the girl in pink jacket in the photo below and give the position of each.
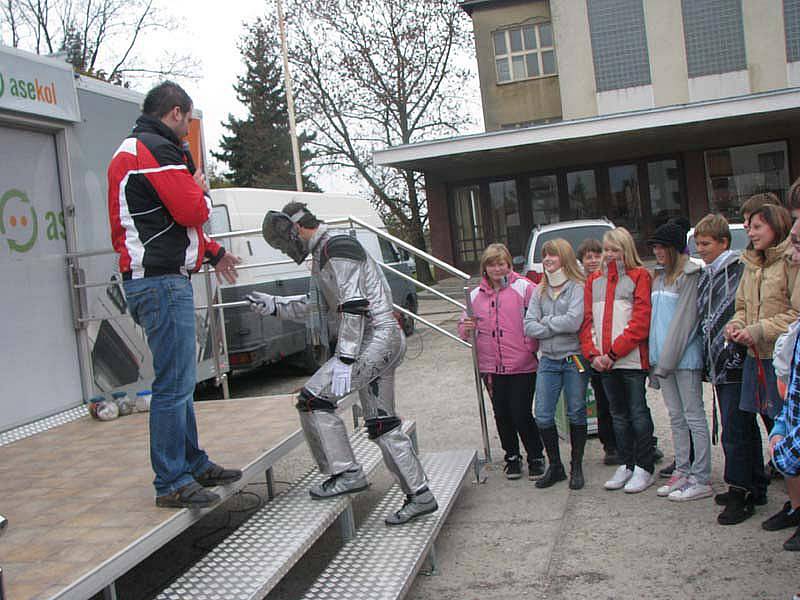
(506, 358)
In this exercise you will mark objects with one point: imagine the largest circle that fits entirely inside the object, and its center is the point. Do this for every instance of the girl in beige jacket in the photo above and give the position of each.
(767, 302)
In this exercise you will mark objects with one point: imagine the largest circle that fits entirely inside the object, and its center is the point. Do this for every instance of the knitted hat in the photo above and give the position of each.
(672, 233)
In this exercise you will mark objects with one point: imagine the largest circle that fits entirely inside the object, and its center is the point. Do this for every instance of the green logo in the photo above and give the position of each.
(18, 220)
(2, 85)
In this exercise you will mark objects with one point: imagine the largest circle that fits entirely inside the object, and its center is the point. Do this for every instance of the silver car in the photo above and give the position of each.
(575, 232)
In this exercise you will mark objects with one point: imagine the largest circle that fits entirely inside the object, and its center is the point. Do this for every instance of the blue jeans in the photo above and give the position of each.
(552, 376)
(164, 307)
(633, 424)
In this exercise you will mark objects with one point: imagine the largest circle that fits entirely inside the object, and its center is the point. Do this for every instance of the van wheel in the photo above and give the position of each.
(408, 324)
(312, 358)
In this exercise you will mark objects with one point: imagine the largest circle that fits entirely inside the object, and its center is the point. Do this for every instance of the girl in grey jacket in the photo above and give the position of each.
(555, 314)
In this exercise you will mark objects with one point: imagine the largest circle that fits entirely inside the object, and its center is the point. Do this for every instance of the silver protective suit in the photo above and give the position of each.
(358, 304)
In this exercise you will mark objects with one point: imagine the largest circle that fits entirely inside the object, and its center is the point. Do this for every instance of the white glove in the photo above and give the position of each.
(340, 378)
(263, 304)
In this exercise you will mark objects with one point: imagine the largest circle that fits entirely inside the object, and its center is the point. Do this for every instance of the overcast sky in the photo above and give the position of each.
(213, 32)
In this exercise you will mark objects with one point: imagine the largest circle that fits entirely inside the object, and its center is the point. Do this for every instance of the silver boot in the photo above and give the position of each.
(417, 505)
(347, 482)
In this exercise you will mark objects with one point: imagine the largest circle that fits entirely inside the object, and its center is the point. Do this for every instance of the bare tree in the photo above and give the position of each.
(375, 73)
(99, 37)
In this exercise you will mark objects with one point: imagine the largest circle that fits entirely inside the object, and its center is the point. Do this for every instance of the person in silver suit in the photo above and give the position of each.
(349, 298)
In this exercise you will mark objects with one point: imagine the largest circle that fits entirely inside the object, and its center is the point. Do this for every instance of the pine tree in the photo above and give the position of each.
(258, 150)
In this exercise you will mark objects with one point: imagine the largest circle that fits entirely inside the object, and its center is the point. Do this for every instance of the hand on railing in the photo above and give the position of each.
(263, 304)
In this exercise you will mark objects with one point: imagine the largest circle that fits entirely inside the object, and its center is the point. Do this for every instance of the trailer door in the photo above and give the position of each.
(39, 369)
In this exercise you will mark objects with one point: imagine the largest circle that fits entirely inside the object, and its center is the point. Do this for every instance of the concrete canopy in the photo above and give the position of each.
(623, 136)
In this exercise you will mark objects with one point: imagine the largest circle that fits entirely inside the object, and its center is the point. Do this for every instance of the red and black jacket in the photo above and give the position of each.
(155, 207)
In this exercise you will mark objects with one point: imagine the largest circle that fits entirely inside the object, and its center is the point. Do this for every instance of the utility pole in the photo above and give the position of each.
(298, 168)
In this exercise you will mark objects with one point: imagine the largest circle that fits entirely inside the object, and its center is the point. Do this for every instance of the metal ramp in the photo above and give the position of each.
(253, 559)
(381, 562)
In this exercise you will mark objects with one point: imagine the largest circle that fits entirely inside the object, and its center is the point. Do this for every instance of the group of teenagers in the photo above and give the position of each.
(598, 316)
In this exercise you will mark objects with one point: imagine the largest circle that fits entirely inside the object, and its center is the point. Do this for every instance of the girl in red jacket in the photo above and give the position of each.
(506, 358)
(614, 336)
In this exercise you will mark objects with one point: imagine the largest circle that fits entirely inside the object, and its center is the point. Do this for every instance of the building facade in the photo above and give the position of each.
(636, 110)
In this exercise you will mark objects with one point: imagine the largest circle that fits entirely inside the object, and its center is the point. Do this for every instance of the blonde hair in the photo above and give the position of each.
(495, 253)
(621, 238)
(674, 269)
(563, 250)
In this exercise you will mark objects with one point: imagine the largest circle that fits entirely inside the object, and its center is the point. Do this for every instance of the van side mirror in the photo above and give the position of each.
(518, 262)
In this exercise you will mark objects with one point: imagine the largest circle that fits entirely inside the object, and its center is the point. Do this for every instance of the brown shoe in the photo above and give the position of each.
(191, 495)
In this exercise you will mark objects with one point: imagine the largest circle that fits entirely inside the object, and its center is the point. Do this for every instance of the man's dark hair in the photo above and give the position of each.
(308, 220)
(164, 97)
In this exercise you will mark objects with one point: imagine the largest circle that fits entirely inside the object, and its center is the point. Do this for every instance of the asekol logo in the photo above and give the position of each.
(29, 90)
(18, 221)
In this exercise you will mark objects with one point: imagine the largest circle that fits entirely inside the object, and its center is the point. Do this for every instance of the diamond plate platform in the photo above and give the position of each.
(254, 558)
(381, 562)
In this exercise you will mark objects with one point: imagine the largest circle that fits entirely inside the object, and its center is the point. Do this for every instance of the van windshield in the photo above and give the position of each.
(574, 235)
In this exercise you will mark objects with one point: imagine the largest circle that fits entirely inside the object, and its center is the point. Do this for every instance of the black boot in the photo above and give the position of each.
(577, 438)
(555, 469)
(740, 507)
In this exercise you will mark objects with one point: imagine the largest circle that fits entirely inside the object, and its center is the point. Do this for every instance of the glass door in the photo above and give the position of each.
(468, 224)
(625, 207)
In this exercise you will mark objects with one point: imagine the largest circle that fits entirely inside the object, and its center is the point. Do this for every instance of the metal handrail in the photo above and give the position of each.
(351, 221)
(435, 292)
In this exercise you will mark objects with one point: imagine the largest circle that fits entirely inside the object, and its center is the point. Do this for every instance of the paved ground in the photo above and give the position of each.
(507, 539)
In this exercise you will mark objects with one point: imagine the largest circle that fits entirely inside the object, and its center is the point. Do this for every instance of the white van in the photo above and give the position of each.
(254, 341)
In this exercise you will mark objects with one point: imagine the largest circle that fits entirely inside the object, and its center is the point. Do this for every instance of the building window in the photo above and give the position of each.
(791, 25)
(714, 36)
(619, 44)
(666, 200)
(544, 199)
(735, 174)
(625, 208)
(506, 219)
(524, 52)
(582, 195)
(468, 224)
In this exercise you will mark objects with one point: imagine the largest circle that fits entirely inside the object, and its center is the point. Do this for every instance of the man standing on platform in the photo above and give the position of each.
(157, 205)
(348, 293)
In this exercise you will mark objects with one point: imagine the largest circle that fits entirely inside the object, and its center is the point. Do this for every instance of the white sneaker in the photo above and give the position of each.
(621, 476)
(640, 481)
(691, 490)
(673, 483)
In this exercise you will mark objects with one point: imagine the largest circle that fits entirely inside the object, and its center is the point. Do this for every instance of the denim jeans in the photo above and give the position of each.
(741, 442)
(552, 376)
(757, 398)
(633, 424)
(164, 307)
(512, 397)
(682, 391)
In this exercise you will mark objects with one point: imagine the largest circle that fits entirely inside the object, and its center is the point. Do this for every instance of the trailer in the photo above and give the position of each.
(67, 331)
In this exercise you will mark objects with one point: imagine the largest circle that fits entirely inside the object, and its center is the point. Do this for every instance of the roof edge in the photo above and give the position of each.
(592, 126)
